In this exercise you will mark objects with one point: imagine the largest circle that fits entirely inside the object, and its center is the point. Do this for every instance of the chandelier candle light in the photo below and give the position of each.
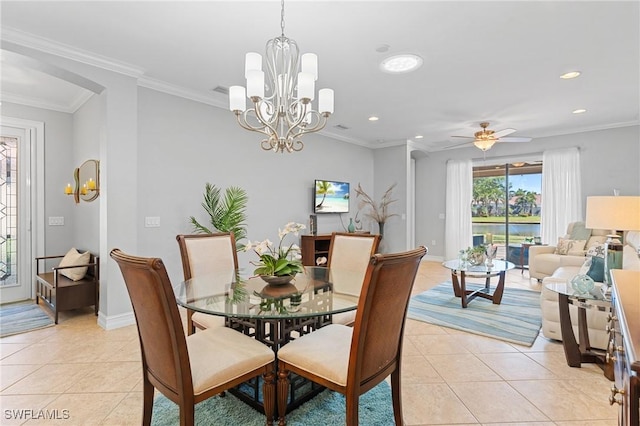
(276, 112)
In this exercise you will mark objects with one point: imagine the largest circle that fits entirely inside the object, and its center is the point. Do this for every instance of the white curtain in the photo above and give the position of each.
(458, 234)
(561, 193)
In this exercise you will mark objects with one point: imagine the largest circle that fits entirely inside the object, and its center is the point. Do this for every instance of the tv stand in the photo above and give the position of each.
(314, 246)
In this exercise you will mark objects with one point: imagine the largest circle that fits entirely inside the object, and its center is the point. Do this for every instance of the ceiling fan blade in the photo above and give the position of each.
(466, 137)
(459, 145)
(504, 132)
(515, 139)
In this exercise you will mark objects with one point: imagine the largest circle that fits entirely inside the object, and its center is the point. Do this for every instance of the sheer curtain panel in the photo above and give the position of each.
(458, 234)
(561, 193)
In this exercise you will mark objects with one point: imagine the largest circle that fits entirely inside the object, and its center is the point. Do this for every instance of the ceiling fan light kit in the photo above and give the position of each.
(486, 138)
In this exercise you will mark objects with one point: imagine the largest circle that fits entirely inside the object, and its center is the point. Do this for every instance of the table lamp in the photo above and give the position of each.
(616, 213)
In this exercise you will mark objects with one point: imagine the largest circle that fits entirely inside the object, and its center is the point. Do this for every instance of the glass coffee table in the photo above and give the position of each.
(498, 269)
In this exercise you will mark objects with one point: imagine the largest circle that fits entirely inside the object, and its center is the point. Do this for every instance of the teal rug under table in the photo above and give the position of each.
(517, 319)
(23, 317)
(328, 408)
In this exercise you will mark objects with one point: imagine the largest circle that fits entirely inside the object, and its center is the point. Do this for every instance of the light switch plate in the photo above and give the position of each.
(56, 220)
(152, 222)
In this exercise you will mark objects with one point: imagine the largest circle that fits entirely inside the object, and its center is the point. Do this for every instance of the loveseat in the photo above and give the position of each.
(596, 320)
(544, 260)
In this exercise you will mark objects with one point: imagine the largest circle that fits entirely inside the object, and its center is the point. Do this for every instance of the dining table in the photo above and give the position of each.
(274, 314)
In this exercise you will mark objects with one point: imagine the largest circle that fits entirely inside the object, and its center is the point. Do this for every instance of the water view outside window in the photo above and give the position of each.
(506, 206)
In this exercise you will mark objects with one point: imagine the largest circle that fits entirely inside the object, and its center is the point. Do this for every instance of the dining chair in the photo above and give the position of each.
(187, 369)
(349, 256)
(353, 360)
(206, 254)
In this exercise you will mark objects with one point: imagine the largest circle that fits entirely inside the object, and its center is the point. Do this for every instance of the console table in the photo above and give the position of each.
(624, 348)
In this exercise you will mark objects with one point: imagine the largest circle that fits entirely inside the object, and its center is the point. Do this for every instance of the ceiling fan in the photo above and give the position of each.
(485, 138)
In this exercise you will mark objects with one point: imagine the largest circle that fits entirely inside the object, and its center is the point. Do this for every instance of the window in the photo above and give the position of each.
(506, 206)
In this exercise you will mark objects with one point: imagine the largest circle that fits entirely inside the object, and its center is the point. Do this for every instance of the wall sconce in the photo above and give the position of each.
(87, 182)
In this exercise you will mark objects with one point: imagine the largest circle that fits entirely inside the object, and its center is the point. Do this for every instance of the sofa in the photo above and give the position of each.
(545, 260)
(596, 320)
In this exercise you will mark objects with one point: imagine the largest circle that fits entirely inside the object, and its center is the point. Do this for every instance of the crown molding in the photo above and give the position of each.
(172, 89)
(63, 50)
(36, 103)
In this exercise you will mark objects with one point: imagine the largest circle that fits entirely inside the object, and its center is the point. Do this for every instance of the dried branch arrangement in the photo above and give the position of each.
(376, 211)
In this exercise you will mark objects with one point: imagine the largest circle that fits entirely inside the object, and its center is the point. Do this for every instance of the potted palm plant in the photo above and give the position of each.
(227, 213)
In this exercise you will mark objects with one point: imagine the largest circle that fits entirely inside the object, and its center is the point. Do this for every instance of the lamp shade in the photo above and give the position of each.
(484, 144)
(613, 213)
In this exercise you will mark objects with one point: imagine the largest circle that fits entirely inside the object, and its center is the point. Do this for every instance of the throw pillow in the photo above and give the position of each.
(577, 248)
(568, 246)
(597, 251)
(596, 270)
(579, 231)
(585, 267)
(72, 258)
(630, 259)
(596, 240)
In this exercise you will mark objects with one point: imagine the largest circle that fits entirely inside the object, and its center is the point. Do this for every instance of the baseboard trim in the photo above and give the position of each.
(116, 321)
(434, 258)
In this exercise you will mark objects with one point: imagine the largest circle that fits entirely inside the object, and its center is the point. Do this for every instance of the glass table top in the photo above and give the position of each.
(317, 291)
(596, 294)
(498, 266)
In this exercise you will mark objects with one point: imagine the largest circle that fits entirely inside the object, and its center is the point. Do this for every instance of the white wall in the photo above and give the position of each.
(609, 159)
(87, 127)
(184, 144)
(391, 167)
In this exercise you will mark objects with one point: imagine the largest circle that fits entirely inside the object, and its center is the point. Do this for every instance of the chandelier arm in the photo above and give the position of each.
(268, 144)
(242, 121)
(322, 122)
(267, 124)
(293, 122)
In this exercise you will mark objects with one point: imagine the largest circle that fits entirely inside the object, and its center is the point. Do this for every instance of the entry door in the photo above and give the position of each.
(15, 214)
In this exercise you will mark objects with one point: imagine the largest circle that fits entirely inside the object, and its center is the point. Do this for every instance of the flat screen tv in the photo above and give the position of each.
(330, 196)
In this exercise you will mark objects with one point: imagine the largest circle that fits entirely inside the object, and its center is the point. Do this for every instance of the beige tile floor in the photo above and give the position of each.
(449, 377)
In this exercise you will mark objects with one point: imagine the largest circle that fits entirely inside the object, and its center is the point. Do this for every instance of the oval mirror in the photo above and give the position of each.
(88, 180)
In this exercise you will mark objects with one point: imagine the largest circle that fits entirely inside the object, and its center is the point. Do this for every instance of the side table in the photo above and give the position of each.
(579, 351)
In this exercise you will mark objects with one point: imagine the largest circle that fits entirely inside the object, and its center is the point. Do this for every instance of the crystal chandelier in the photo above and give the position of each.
(276, 112)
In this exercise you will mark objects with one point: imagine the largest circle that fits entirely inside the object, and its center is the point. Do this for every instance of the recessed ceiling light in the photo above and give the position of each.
(399, 64)
(579, 111)
(418, 136)
(373, 118)
(570, 75)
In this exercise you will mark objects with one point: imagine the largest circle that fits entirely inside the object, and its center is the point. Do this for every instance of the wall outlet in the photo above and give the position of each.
(433, 242)
(152, 222)
(56, 220)
(441, 216)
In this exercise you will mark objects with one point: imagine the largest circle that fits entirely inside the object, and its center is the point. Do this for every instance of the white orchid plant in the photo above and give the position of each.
(281, 260)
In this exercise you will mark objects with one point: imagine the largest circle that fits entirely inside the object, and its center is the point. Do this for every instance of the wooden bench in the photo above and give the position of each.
(60, 293)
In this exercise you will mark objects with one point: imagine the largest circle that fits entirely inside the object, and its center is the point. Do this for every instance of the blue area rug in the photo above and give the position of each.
(328, 408)
(517, 319)
(15, 319)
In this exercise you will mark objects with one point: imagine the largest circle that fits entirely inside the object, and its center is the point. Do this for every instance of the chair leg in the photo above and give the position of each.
(147, 404)
(352, 401)
(283, 394)
(269, 395)
(187, 415)
(190, 327)
(396, 397)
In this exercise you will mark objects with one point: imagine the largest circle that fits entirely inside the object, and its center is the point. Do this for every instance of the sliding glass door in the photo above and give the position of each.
(506, 207)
